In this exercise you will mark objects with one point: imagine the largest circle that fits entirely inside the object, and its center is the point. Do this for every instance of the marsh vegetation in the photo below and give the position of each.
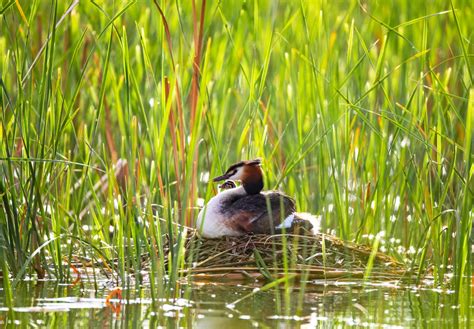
(115, 114)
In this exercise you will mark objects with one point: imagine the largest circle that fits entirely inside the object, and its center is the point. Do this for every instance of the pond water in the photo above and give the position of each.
(239, 305)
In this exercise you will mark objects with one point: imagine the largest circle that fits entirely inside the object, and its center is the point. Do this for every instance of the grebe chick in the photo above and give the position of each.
(246, 210)
(227, 185)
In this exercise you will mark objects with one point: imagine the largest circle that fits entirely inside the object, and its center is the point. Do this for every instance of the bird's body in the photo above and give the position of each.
(233, 212)
(245, 209)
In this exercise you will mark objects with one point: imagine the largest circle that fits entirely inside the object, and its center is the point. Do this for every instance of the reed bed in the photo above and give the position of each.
(362, 111)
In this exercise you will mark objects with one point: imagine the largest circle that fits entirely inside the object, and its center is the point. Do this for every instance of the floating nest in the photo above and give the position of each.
(302, 257)
(272, 257)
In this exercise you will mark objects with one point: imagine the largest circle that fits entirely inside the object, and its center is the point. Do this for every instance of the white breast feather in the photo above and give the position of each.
(211, 221)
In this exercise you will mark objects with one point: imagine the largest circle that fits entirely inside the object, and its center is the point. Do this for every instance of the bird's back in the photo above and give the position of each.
(259, 213)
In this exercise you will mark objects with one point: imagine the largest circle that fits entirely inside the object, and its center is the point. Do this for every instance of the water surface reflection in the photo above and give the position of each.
(219, 305)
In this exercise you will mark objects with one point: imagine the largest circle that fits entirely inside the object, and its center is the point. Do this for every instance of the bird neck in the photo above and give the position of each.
(253, 186)
(252, 180)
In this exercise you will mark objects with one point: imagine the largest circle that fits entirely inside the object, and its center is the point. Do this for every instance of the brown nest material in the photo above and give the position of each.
(271, 257)
(302, 257)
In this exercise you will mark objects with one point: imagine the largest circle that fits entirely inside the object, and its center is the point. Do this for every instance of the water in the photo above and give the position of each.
(223, 305)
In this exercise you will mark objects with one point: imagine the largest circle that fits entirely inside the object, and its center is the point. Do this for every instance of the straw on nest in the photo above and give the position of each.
(306, 257)
(317, 256)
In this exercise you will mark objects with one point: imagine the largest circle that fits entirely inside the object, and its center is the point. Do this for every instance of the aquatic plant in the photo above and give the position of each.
(114, 116)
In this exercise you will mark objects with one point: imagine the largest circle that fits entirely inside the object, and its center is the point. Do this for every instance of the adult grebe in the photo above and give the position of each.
(245, 209)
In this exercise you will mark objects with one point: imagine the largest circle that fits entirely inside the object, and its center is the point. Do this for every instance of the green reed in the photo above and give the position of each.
(361, 111)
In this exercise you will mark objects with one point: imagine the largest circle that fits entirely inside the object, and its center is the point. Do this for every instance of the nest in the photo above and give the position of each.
(272, 257)
(302, 257)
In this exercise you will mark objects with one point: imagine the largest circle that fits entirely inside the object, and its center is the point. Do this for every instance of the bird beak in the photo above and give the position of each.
(220, 178)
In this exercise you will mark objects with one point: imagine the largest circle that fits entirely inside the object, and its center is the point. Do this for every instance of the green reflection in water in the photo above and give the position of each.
(346, 304)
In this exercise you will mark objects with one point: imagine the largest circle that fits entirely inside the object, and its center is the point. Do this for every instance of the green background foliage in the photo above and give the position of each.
(362, 111)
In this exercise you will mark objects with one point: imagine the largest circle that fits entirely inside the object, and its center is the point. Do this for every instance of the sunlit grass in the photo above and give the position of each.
(361, 111)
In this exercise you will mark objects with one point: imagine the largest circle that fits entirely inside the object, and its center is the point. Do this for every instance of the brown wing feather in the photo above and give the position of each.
(260, 213)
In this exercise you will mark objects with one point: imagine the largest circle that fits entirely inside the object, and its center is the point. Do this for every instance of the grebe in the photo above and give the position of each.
(241, 210)
(227, 185)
